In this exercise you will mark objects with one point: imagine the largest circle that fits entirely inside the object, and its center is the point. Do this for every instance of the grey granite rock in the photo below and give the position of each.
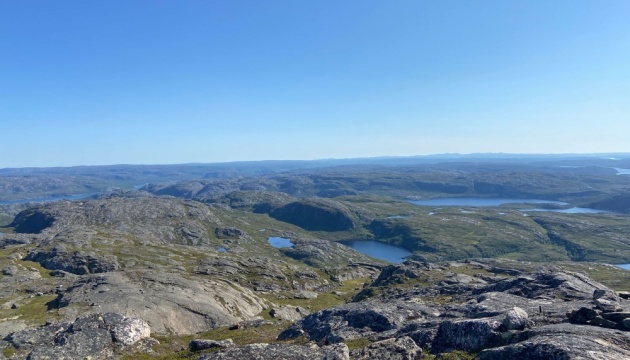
(281, 352)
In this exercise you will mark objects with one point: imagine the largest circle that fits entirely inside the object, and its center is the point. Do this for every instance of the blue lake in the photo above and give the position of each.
(379, 250)
(481, 202)
(279, 242)
(621, 171)
(624, 266)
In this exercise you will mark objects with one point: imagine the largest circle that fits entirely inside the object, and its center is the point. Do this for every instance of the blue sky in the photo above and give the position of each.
(156, 82)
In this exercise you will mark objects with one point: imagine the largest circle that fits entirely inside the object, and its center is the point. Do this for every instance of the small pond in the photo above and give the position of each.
(221, 250)
(481, 202)
(379, 250)
(279, 242)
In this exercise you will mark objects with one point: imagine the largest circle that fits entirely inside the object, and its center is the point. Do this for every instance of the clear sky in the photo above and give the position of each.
(158, 82)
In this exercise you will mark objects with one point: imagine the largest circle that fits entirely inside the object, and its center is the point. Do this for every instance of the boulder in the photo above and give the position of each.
(468, 335)
(130, 331)
(204, 344)
(95, 336)
(515, 319)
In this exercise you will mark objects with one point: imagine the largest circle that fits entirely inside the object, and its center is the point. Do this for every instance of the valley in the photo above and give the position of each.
(190, 255)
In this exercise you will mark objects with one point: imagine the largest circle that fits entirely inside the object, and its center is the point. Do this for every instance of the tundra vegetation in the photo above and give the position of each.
(186, 256)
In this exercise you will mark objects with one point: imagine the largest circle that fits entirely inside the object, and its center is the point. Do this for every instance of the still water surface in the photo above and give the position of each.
(279, 242)
(481, 201)
(379, 250)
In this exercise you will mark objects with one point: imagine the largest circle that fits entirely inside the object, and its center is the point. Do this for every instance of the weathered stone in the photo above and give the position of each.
(94, 336)
(582, 316)
(305, 295)
(467, 335)
(10, 270)
(130, 331)
(600, 321)
(515, 319)
(606, 305)
(403, 348)
(204, 344)
(617, 317)
(564, 341)
(290, 313)
(281, 352)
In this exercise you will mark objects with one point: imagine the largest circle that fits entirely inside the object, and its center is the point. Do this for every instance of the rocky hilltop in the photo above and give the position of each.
(134, 275)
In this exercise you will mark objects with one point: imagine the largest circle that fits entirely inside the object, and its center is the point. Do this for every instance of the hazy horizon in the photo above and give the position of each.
(146, 82)
(445, 156)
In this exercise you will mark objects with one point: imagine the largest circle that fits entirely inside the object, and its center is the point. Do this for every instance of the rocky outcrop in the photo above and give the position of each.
(97, 336)
(78, 262)
(324, 253)
(500, 317)
(403, 348)
(166, 301)
(282, 352)
(288, 313)
(564, 341)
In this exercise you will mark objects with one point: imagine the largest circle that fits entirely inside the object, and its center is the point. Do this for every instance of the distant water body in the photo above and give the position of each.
(481, 202)
(279, 242)
(621, 171)
(624, 266)
(379, 250)
(484, 202)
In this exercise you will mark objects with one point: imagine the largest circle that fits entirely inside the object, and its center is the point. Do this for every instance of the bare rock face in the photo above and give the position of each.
(565, 341)
(166, 301)
(97, 336)
(403, 348)
(519, 317)
(290, 313)
(467, 335)
(282, 352)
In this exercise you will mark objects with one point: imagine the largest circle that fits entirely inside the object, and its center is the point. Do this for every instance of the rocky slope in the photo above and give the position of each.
(92, 278)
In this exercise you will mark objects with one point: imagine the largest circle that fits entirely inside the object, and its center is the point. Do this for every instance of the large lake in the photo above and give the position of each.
(481, 201)
(621, 171)
(485, 202)
(624, 266)
(379, 250)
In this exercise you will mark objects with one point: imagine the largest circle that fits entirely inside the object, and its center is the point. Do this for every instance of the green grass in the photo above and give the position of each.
(176, 347)
(8, 352)
(33, 311)
(357, 343)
